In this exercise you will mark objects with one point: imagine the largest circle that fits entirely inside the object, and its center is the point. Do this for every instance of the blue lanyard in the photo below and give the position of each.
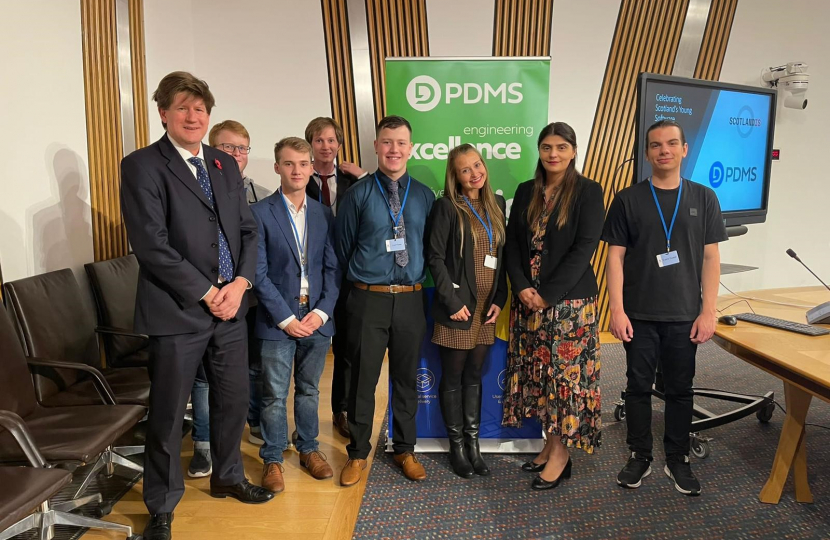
(395, 219)
(660, 211)
(488, 228)
(300, 245)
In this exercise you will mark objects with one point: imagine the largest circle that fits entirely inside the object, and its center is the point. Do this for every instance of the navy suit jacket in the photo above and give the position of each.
(277, 285)
(172, 231)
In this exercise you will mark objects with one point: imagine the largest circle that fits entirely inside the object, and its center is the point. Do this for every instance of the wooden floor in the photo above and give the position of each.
(307, 509)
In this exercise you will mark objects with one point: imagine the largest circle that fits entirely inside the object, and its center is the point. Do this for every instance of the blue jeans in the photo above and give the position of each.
(307, 356)
(201, 408)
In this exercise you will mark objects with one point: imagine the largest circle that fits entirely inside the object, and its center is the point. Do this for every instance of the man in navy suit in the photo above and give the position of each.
(195, 240)
(297, 284)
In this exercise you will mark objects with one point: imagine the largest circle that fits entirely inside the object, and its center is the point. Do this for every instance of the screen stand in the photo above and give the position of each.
(736, 230)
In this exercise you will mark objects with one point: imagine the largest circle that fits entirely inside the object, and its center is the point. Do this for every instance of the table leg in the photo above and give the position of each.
(791, 450)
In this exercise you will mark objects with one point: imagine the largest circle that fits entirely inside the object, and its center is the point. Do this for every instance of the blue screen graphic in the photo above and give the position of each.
(727, 133)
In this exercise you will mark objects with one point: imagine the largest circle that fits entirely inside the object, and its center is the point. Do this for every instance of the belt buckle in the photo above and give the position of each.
(391, 289)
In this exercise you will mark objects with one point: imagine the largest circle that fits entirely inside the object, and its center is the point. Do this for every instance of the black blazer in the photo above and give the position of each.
(443, 246)
(173, 233)
(344, 182)
(566, 272)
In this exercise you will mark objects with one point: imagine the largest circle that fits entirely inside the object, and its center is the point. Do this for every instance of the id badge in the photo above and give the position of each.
(491, 262)
(396, 244)
(668, 259)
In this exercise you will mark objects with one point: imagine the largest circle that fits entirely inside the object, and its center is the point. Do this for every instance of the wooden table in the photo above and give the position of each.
(801, 362)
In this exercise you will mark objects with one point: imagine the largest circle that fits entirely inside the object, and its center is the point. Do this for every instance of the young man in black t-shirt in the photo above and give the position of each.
(663, 237)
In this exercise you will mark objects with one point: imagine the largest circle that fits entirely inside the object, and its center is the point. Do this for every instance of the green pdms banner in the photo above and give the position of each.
(498, 105)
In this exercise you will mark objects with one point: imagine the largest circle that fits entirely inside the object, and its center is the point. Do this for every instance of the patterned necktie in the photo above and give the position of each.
(401, 257)
(225, 259)
(324, 187)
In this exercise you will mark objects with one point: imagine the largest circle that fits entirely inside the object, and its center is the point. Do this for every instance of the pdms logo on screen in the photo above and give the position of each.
(718, 174)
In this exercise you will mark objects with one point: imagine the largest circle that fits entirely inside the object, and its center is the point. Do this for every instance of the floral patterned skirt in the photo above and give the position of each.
(553, 370)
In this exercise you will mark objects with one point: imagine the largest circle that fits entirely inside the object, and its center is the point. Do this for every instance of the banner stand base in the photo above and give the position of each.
(489, 446)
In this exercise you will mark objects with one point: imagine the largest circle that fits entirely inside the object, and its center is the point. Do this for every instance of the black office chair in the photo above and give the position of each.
(24, 500)
(114, 283)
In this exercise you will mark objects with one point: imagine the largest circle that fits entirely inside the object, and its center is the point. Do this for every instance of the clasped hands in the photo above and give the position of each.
(224, 303)
(464, 314)
(532, 300)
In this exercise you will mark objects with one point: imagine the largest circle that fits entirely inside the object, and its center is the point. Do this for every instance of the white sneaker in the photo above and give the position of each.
(255, 436)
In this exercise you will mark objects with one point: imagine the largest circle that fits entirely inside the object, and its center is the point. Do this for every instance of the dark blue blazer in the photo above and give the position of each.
(277, 285)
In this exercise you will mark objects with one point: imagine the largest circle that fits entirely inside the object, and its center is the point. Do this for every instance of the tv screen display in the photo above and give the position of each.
(729, 130)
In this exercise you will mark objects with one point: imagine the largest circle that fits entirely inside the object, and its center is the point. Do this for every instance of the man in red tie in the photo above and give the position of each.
(328, 185)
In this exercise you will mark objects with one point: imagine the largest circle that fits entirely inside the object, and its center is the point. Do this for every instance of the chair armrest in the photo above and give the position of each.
(101, 384)
(119, 332)
(17, 427)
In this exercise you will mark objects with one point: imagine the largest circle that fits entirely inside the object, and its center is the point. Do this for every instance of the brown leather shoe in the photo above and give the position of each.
(316, 464)
(341, 424)
(412, 468)
(350, 475)
(272, 479)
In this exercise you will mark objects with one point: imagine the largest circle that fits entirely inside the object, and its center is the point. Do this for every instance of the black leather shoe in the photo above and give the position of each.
(158, 528)
(533, 467)
(243, 491)
(541, 484)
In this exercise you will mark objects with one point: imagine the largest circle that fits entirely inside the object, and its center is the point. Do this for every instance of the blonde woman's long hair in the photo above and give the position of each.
(452, 190)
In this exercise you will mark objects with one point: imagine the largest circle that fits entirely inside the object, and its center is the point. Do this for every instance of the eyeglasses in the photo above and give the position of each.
(229, 148)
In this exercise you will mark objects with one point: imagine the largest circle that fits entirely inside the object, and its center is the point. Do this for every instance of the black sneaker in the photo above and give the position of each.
(634, 471)
(678, 469)
(200, 464)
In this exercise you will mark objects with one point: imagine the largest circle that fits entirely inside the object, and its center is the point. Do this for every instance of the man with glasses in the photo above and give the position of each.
(232, 138)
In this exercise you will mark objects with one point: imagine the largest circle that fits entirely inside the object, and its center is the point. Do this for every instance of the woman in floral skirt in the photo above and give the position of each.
(553, 359)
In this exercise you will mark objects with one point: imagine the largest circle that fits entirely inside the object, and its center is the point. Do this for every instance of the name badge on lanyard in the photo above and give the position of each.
(669, 258)
(395, 244)
(489, 260)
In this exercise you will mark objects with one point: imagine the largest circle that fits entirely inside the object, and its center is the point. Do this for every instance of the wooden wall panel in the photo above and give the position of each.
(396, 28)
(103, 116)
(522, 27)
(341, 79)
(715, 39)
(645, 40)
(103, 124)
(139, 72)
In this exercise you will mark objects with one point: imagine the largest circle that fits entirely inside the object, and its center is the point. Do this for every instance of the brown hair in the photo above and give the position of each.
(393, 122)
(228, 125)
(181, 81)
(452, 190)
(665, 124)
(566, 194)
(295, 143)
(316, 126)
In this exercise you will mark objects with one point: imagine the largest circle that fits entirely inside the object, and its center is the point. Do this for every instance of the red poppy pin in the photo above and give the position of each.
(218, 164)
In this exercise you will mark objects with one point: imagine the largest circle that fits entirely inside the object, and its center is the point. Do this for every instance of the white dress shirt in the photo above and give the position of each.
(332, 183)
(299, 217)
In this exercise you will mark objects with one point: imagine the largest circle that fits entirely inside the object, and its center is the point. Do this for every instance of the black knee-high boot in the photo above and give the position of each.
(451, 411)
(472, 423)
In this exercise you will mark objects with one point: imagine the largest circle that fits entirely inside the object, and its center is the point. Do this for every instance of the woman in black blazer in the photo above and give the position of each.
(553, 358)
(464, 253)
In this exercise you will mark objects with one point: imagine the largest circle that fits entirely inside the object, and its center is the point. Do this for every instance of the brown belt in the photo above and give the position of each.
(303, 299)
(393, 289)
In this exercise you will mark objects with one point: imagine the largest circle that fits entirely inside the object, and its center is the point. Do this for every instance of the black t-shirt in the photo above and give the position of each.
(671, 293)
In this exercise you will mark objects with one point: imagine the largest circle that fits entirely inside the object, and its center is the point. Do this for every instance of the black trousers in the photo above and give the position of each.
(377, 321)
(668, 344)
(341, 379)
(174, 360)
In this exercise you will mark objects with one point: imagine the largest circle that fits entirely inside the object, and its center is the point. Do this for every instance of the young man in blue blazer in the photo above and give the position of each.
(297, 284)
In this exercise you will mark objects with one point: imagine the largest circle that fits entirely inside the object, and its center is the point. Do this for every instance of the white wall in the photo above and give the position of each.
(769, 33)
(45, 218)
(265, 62)
(460, 27)
(580, 40)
